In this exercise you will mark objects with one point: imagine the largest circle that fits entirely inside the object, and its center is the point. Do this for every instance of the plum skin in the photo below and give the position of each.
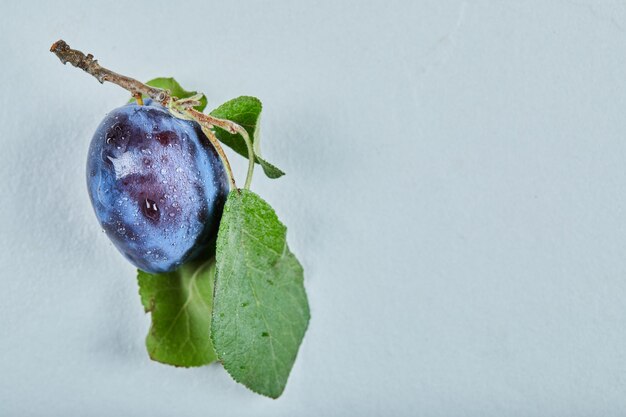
(157, 186)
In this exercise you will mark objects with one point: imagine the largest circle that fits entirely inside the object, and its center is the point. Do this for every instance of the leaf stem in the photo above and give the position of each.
(220, 151)
(251, 157)
(230, 127)
(188, 113)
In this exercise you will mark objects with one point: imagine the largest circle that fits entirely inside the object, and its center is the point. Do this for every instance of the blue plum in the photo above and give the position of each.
(157, 186)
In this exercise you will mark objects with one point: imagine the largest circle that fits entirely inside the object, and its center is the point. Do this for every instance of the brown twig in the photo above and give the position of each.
(91, 66)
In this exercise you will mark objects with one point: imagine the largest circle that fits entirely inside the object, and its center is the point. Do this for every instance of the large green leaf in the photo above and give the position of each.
(181, 304)
(175, 89)
(260, 310)
(245, 111)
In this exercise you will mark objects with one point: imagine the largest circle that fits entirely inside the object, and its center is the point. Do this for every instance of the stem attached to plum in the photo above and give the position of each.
(91, 66)
(139, 98)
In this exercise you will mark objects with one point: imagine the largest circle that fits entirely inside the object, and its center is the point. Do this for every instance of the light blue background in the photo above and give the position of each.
(456, 181)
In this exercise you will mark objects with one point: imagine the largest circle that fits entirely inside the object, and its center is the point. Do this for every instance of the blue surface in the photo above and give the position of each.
(455, 189)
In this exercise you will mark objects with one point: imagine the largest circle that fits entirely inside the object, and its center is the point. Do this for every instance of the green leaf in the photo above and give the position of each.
(261, 311)
(175, 89)
(181, 304)
(245, 111)
(270, 170)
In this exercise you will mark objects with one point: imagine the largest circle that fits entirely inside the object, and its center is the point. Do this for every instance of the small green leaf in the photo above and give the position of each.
(181, 304)
(261, 311)
(270, 170)
(175, 89)
(245, 111)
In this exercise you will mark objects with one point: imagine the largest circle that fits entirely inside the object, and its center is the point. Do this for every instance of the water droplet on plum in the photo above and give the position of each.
(150, 209)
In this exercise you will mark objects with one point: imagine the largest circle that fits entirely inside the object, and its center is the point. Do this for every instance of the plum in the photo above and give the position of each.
(157, 186)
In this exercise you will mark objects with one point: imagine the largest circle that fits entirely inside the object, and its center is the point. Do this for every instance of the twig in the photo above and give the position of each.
(91, 66)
